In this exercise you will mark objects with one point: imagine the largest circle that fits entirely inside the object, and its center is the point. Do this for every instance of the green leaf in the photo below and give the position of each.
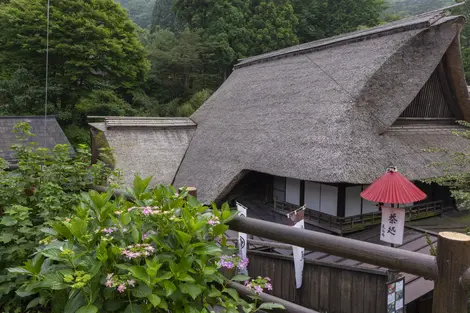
(183, 237)
(133, 308)
(169, 287)
(8, 221)
(271, 306)
(19, 270)
(186, 277)
(125, 218)
(191, 289)
(233, 293)
(135, 235)
(88, 309)
(141, 291)
(154, 299)
(49, 231)
(6, 237)
(140, 273)
(53, 254)
(74, 303)
(209, 270)
(208, 249)
(33, 303)
(78, 228)
(112, 305)
(240, 277)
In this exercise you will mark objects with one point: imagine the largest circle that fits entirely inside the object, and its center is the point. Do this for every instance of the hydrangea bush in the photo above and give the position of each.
(161, 252)
(44, 186)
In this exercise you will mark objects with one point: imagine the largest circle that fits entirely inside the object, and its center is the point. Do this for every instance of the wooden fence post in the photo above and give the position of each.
(453, 259)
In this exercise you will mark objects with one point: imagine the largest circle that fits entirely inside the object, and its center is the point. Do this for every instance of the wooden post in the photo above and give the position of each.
(453, 259)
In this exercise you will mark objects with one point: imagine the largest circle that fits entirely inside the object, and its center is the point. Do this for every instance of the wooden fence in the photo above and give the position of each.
(327, 288)
(343, 225)
(449, 269)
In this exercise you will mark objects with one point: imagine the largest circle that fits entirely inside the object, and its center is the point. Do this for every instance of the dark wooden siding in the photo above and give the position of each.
(325, 288)
(430, 101)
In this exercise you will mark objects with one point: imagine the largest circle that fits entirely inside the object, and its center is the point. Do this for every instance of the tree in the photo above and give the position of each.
(164, 17)
(93, 45)
(464, 10)
(181, 67)
(140, 11)
(325, 18)
(272, 25)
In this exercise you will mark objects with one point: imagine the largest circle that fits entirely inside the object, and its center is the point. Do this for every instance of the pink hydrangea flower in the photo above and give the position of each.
(109, 283)
(258, 290)
(268, 286)
(108, 230)
(131, 283)
(121, 288)
(243, 264)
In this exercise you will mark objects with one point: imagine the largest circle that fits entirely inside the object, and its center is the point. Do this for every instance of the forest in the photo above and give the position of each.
(156, 57)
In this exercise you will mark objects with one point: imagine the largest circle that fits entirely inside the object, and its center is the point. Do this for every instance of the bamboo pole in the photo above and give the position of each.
(453, 260)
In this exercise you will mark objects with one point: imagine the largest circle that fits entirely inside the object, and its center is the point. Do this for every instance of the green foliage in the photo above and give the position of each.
(464, 10)
(190, 106)
(414, 7)
(457, 176)
(45, 186)
(140, 11)
(93, 46)
(325, 18)
(156, 253)
(163, 16)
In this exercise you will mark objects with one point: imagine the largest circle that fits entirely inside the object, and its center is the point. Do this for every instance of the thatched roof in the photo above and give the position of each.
(47, 132)
(326, 111)
(147, 146)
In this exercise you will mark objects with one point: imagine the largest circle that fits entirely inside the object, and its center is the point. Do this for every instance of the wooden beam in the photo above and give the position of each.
(395, 259)
(290, 307)
(264, 243)
(341, 202)
(302, 192)
(453, 259)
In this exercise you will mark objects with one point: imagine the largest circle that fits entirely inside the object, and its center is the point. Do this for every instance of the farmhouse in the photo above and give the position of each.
(314, 125)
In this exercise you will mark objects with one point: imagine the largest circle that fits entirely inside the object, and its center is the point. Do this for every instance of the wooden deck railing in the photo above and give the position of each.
(353, 223)
(450, 269)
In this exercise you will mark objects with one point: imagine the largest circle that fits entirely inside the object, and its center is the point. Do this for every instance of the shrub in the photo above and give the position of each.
(157, 253)
(45, 186)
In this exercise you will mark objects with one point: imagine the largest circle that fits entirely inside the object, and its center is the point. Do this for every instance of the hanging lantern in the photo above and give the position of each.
(394, 189)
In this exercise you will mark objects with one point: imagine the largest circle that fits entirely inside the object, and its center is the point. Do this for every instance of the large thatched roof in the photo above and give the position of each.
(326, 111)
(146, 146)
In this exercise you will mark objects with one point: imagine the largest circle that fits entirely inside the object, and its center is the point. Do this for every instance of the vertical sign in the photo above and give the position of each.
(396, 296)
(242, 237)
(393, 225)
(297, 217)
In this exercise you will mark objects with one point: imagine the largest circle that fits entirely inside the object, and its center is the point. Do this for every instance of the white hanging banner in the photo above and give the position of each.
(298, 218)
(242, 237)
(393, 225)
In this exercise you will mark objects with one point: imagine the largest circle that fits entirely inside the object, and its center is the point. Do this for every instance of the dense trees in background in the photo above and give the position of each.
(94, 51)
(162, 58)
(413, 7)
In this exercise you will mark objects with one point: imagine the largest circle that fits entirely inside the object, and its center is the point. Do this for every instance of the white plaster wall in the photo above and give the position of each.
(353, 200)
(367, 206)
(312, 196)
(329, 199)
(293, 191)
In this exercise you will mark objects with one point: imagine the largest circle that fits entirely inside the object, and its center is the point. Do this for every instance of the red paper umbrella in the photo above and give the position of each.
(393, 188)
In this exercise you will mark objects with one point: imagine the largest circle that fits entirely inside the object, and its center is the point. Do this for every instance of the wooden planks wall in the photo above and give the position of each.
(325, 288)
